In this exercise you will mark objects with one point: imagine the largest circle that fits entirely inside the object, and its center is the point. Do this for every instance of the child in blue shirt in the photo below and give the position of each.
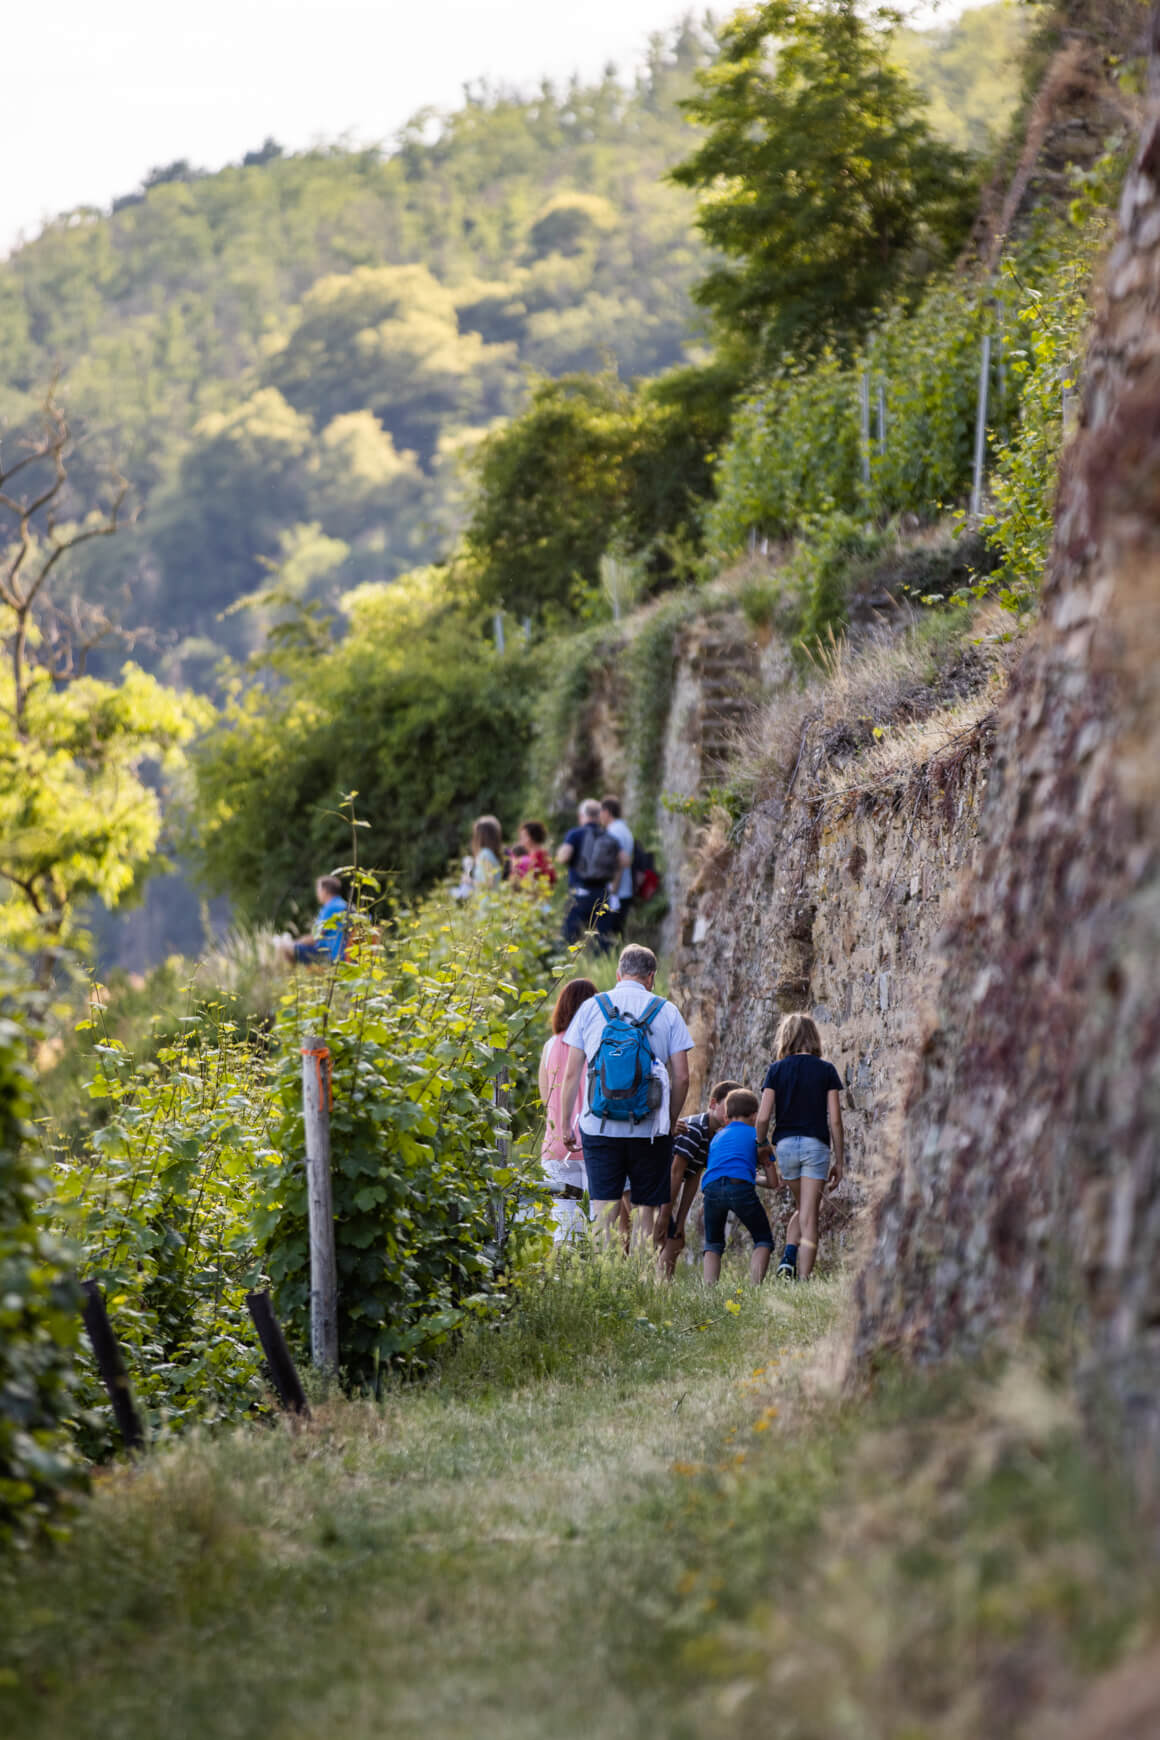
(730, 1186)
(328, 942)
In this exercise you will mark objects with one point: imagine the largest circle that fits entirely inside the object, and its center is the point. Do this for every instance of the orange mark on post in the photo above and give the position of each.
(321, 1055)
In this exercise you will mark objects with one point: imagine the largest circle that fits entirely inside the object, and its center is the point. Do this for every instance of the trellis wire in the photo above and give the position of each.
(981, 427)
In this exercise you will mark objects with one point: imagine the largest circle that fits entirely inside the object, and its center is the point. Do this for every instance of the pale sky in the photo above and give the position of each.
(98, 94)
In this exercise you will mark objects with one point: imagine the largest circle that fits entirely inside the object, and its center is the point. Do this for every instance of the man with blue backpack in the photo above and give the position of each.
(632, 1049)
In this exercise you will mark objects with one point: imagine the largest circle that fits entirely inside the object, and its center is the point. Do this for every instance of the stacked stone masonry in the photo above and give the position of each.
(831, 901)
(1025, 1183)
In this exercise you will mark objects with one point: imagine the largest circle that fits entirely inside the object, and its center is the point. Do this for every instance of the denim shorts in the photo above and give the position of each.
(641, 1164)
(803, 1157)
(734, 1195)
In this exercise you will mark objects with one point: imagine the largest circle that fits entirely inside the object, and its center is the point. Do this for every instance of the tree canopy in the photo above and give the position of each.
(325, 338)
(409, 708)
(821, 182)
(216, 333)
(592, 463)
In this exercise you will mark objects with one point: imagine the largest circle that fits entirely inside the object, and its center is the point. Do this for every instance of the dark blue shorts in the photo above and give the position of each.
(737, 1196)
(641, 1164)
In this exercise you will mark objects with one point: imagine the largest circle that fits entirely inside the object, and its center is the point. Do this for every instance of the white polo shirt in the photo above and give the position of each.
(622, 834)
(667, 1035)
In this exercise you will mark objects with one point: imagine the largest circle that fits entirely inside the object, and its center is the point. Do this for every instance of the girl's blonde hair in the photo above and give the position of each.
(797, 1033)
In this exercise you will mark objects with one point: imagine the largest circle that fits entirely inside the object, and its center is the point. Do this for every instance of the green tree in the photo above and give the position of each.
(590, 464)
(551, 491)
(387, 338)
(243, 479)
(412, 709)
(76, 817)
(821, 183)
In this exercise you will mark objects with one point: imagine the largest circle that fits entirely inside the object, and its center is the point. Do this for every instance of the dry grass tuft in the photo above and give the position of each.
(711, 853)
(879, 710)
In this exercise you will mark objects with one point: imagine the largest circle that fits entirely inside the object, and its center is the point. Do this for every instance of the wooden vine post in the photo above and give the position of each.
(281, 1366)
(503, 1147)
(111, 1365)
(316, 1095)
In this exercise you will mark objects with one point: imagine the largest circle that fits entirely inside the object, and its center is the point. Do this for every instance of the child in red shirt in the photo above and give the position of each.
(531, 861)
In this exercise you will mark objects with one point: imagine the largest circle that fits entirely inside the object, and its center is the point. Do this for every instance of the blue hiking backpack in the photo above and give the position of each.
(621, 1083)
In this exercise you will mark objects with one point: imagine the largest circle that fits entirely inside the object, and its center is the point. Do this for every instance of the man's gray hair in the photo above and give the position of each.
(636, 962)
(589, 810)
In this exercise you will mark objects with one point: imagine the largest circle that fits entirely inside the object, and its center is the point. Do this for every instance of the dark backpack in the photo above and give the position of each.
(621, 1083)
(598, 858)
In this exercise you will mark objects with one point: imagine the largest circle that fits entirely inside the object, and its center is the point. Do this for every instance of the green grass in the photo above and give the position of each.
(629, 1511)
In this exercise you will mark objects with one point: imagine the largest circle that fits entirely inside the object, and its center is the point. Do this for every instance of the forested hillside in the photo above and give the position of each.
(290, 359)
(315, 341)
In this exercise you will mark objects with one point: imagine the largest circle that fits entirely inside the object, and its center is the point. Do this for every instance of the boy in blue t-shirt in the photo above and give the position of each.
(329, 940)
(730, 1186)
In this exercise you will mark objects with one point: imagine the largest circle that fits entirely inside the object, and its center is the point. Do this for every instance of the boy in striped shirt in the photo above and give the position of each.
(690, 1153)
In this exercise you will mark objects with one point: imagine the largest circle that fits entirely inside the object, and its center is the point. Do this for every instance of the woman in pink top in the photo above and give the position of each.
(563, 1166)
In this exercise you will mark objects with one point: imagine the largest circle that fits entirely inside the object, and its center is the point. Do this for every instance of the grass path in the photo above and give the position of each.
(594, 1524)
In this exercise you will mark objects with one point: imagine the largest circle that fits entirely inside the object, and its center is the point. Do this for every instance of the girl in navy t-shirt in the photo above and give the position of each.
(801, 1096)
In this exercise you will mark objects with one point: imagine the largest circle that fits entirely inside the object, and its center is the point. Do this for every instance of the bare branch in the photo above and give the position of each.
(71, 639)
(31, 458)
(112, 525)
(73, 633)
(26, 887)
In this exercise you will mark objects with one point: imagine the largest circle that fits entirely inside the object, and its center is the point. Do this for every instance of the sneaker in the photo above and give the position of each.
(786, 1271)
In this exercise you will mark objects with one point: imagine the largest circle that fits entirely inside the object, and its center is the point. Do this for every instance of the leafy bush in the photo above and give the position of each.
(926, 367)
(794, 454)
(796, 449)
(39, 1320)
(158, 1198)
(551, 490)
(795, 457)
(190, 1189)
(568, 664)
(592, 467)
(422, 1187)
(1049, 331)
(414, 710)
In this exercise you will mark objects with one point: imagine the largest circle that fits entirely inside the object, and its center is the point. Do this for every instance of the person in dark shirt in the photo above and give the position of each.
(586, 900)
(801, 1095)
(690, 1152)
